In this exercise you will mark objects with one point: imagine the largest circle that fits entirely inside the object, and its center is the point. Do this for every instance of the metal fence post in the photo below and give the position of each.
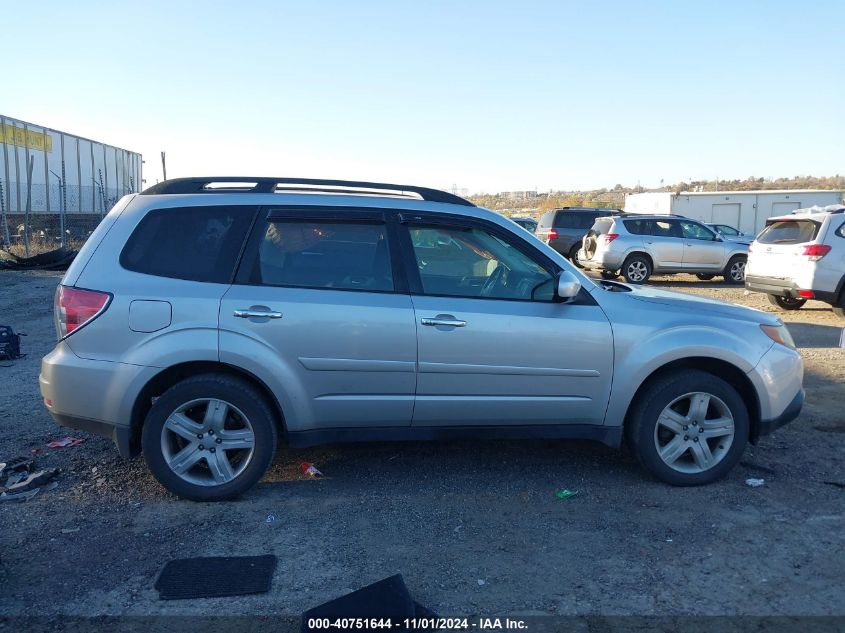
(26, 231)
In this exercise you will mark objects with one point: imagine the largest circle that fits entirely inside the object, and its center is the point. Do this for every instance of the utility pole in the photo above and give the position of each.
(163, 167)
(26, 231)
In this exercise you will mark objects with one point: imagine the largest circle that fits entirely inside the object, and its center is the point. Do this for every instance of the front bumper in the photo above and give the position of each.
(778, 380)
(789, 414)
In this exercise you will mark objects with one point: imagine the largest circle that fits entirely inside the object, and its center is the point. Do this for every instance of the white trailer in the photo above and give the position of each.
(745, 210)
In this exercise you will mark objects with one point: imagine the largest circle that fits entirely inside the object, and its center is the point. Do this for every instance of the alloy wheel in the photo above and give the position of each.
(207, 442)
(694, 432)
(737, 271)
(637, 271)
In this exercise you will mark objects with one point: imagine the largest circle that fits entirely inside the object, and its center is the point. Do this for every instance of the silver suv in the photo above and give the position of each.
(799, 257)
(642, 245)
(206, 318)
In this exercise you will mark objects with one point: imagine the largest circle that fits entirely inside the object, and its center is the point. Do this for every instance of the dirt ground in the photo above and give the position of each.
(475, 528)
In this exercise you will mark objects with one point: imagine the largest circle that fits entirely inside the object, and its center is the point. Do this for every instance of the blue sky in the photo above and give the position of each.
(488, 96)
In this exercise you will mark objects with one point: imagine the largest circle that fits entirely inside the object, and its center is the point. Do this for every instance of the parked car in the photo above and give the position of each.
(563, 229)
(801, 256)
(200, 323)
(730, 233)
(641, 245)
(529, 224)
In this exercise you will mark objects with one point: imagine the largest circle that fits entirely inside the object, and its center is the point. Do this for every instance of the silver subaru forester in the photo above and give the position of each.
(206, 318)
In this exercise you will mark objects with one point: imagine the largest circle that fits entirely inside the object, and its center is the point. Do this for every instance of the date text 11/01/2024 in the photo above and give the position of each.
(432, 624)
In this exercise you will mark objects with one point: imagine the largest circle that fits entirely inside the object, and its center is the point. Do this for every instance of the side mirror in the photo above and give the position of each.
(568, 285)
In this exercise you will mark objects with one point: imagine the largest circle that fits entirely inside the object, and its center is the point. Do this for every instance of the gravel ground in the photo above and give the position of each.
(474, 527)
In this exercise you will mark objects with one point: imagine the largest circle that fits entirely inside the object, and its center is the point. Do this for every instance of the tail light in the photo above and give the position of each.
(806, 294)
(76, 307)
(814, 252)
(609, 237)
(552, 235)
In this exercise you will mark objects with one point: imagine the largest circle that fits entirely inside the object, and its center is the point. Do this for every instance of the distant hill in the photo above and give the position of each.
(615, 197)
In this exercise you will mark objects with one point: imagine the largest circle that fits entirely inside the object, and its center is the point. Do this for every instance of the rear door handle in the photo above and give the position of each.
(265, 314)
(442, 321)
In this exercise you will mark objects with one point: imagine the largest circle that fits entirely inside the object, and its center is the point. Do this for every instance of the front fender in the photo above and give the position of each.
(642, 351)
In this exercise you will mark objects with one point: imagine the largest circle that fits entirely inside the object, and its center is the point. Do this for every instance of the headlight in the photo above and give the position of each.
(779, 334)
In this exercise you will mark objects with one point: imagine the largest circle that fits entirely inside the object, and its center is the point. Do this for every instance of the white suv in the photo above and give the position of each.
(799, 257)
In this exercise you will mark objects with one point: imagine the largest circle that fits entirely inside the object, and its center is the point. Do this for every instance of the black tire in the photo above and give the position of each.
(786, 303)
(234, 390)
(642, 421)
(609, 274)
(636, 263)
(734, 272)
(573, 255)
(704, 277)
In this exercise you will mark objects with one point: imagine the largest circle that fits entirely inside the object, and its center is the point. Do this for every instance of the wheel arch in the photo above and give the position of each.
(732, 374)
(168, 377)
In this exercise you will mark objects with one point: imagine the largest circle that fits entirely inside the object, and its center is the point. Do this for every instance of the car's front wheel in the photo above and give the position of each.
(609, 274)
(209, 437)
(636, 269)
(688, 428)
(786, 303)
(704, 276)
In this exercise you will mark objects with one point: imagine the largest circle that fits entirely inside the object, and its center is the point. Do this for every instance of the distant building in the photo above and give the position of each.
(519, 195)
(745, 210)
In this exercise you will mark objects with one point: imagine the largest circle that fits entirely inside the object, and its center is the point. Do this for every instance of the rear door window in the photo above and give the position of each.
(324, 254)
(192, 243)
(664, 228)
(695, 231)
(789, 232)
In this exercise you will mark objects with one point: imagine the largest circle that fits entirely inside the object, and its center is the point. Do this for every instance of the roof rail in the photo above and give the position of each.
(263, 184)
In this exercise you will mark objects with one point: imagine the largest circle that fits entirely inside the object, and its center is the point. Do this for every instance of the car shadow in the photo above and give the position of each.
(811, 335)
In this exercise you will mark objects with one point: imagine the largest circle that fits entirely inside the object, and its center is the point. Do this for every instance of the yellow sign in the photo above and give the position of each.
(14, 135)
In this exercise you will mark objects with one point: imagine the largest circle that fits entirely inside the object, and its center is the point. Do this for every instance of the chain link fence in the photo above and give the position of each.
(56, 187)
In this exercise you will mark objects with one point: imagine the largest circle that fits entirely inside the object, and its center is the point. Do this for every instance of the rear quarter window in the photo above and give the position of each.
(602, 226)
(192, 243)
(789, 232)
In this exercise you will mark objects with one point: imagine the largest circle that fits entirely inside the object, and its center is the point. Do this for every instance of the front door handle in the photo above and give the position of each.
(442, 321)
(263, 314)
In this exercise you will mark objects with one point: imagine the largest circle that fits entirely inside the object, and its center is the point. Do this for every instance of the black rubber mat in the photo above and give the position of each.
(215, 577)
(388, 598)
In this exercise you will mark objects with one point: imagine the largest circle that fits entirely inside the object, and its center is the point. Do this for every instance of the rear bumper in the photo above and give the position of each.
(602, 261)
(784, 288)
(120, 435)
(92, 395)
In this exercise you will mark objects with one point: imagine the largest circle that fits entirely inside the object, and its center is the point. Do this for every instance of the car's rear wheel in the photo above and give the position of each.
(786, 303)
(609, 274)
(210, 437)
(573, 255)
(636, 269)
(735, 270)
(688, 428)
(704, 277)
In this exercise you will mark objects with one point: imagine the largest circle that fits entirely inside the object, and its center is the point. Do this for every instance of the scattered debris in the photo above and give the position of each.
(215, 577)
(69, 530)
(20, 496)
(668, 540)
(754, 483)
(480, 582)
(270, 518)
(58, 259)
(309, 470)
(66, 442)
(28, 481)
(563, 493)
(760, 467)
(838, 484)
